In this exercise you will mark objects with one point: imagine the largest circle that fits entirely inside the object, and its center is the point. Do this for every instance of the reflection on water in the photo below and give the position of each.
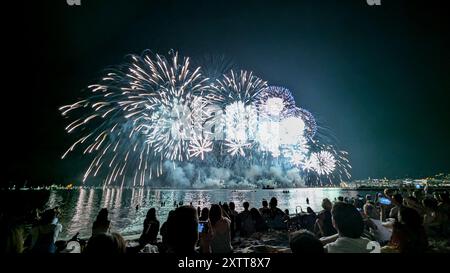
(80, 207)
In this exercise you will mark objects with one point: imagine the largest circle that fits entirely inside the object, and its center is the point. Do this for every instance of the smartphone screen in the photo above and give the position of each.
(385, 201)
(202, 226)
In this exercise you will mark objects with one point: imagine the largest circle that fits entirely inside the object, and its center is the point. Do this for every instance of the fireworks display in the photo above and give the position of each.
(155, 109)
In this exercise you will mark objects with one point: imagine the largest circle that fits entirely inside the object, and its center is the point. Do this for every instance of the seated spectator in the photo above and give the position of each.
(418, 194)
(435, 221)
(408, 235)
(233, 209)
(373, 223)
(309, 220)
(444, 204)
(443, 209)
(45, 234)
(220, 241)
(265, 211)
(260, 223)
(304, 241)
(101, 223)
(182, 232)
(226, 210)
(106, 244)
(414, 203)
(309, 210)
(11, 238)
(430, 217)
(165, 245)
(324, 222)
(204, 215)
(397, 201)
(370, 211)
(358, 202)
(277, 219)
(350, 226)
(233, 218)
(151, 228)
(246, 225)
(35, 219)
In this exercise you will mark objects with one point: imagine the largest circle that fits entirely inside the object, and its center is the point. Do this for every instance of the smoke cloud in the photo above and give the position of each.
(188, 175)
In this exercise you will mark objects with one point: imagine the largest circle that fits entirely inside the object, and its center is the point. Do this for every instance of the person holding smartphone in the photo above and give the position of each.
(182, 232)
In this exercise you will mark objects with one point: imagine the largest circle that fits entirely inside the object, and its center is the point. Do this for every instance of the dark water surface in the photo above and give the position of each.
(80, 207)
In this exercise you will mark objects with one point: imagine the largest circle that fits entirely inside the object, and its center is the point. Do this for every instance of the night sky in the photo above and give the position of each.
(377, 77)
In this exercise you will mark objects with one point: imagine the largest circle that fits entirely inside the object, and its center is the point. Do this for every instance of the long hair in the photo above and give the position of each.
(102, 216)
(215, 214)
(409, 234)
(151, 214)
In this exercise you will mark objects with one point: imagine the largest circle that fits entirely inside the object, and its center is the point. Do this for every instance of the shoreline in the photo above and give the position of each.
(362, 188)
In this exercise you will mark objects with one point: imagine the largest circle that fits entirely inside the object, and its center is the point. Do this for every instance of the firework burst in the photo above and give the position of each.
(235, 94)
(275, 102)
(323, 162)
(140, 114)
(152, 110)
(198, 147)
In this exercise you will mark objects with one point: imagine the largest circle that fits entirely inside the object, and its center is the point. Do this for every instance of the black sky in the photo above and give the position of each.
(377, 77)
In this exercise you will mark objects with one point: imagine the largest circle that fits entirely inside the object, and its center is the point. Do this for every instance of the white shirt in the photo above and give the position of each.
(382, 233)
(350, 245)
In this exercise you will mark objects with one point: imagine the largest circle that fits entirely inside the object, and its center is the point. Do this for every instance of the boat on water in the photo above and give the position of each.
(267, 187)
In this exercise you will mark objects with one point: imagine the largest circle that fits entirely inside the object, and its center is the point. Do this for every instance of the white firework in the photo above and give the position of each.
(140, 114)
(274, 101)
(267, 136)
(243, 87)
(237, 148)
(297, 158)
(154, 109)
(323, 162)
(292, 130)
(198, 147)
(236, 94)
(240, 122)
(273, 106)
(281, 137)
